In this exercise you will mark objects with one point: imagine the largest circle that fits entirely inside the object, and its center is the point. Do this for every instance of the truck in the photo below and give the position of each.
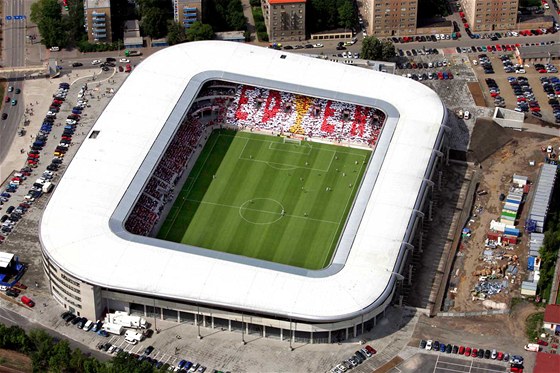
(48, 187)
(113, 328)
(124, 319)
(532, 347)
(133, 337)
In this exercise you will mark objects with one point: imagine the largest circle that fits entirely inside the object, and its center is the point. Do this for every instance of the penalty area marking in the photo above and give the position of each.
(284, 166)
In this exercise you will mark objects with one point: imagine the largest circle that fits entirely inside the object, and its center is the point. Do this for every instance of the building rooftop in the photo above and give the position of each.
(547, 363)
(552, 314)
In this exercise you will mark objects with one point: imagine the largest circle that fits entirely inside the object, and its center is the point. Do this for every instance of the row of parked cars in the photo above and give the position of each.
(495, 93)
(551, 86)
(439, 75)
(515, 360)
(485, 64)
(510, 67)
(546, 68)
(83, 323)
(417, 52)
(423, 65)
(359, 357)
(526, 101)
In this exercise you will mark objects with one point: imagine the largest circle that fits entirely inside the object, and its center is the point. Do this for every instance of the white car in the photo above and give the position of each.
(429, 345)
(54, 49)
(95, 62)
(124, 60)
(318, 45)
(514, 33)
(466, 114)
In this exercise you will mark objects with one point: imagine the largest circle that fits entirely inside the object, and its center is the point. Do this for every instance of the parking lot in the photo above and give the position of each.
(435, 363)
(506, 92)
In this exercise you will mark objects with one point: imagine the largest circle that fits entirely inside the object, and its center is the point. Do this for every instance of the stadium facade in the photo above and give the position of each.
(94, 264)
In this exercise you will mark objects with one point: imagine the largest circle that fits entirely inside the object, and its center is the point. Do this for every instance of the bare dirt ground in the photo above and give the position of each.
(476, 92)
(498, 169)
(11, 361)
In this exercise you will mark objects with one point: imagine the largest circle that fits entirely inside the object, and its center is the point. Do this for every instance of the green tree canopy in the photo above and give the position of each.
(176, 33)
(200, 31)
(154, 22)
(374, 49)
(47, 14)
(346, 15)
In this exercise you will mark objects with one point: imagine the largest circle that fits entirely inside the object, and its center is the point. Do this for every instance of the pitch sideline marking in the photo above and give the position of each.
(188, 191)
(345, 209)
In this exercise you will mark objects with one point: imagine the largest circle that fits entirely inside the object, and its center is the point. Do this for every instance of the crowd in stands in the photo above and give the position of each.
(252, 108)
(283, 112)
(159, 189)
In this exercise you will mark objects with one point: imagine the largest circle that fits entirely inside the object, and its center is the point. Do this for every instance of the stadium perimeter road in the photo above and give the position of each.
(437, 363)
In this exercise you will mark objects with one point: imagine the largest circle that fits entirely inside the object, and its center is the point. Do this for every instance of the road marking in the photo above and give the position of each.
(435, 367)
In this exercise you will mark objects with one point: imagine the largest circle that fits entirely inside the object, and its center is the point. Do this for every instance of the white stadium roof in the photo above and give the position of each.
(80, 222)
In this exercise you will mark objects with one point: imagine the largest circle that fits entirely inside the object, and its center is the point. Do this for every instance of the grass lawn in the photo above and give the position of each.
(256, 196)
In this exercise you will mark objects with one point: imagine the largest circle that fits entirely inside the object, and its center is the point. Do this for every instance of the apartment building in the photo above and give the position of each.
(186, 12)
(284, 19)
(97, 14)
(391, 17)
(491, 15)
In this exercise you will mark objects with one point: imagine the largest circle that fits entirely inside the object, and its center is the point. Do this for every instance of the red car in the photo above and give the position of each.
(500, 356)
(370, 349)
(542, 343)
(462, 350)
(474, 352)
(516, 370)
(27, 301)
(128, 68)
(7, 99)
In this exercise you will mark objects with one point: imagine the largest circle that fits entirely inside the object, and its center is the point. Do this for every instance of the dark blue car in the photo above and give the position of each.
(442, 347)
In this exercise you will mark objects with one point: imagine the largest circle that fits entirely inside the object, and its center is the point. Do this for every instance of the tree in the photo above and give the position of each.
(154, 22)
(346, 16)
(371, 48)
(387, 51)
(47, 14)
(176, 33)
(200, 31)
(59, 360)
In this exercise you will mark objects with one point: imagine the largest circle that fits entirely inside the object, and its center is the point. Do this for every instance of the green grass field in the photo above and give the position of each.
(256, 196)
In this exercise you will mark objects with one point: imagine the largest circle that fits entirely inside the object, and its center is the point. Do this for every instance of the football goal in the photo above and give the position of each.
(291, 140)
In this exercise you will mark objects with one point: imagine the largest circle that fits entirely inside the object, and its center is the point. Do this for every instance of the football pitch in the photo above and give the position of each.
(258, 196)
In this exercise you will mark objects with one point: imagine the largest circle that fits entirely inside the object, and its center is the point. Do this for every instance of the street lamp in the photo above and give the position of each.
(198, 321)
(243, 330)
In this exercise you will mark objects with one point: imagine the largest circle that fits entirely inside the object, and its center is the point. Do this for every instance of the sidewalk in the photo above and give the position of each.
(249, 17)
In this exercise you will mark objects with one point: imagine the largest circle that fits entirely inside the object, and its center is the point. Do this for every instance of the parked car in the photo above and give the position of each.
(148, 350)
(27, 301)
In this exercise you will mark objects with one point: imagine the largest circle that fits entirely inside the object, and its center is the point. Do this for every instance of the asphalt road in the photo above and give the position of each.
(8, 317)
(14, 55)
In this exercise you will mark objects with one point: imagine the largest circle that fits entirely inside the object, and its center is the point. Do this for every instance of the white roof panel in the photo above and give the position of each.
(76, 225)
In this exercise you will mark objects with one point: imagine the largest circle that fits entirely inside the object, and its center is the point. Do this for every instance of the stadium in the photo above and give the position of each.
(247, 189)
